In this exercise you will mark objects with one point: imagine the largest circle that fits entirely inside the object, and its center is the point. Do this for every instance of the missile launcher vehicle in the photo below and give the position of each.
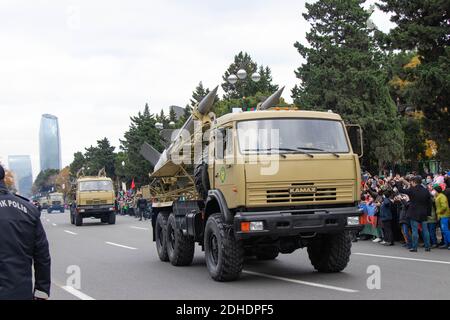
(256, 184)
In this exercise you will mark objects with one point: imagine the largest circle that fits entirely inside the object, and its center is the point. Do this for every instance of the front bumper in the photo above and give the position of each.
(95, 209)
(287, 223)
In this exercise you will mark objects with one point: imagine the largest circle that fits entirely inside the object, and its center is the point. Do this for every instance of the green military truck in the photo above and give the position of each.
(247, 197)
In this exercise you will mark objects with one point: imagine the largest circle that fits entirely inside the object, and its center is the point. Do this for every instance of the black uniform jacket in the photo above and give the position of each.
(22, 243)
(420, 202)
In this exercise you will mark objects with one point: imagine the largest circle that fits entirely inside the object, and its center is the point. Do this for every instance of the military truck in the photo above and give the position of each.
(44, 203)
(250, 194)
(55, 202)
(95, 197)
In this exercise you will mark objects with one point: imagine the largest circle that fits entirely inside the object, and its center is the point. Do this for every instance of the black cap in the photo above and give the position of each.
(2, 173)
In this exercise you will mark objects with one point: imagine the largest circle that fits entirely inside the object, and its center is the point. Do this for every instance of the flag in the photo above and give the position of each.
(132, 184)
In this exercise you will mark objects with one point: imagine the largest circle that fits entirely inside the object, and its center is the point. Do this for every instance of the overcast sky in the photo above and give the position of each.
(93, 63)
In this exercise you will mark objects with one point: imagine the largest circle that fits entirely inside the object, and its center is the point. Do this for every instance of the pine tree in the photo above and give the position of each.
(78, 162)
(142, 129)
(423, 27)
(172, 115)
(342, 73)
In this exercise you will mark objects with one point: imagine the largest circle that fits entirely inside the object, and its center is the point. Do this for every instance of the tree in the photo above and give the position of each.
(142, 129)
(120, 162)
(78, 162)
(423, 26)
(161, 118)
(172, 115)
(99, 157)
(45, 181)
(400, 67)
(247, 87)
(343, 73)
(62, 182)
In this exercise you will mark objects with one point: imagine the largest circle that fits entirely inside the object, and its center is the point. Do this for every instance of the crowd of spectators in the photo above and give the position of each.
(408, 209)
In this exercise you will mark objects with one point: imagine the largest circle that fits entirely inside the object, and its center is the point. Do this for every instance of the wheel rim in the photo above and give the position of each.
(214, 249)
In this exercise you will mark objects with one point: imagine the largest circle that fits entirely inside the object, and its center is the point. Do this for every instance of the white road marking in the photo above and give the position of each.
(120, 245)
(77, 293)
(140, 228)
(70, 232)
(400, 258)
(306, 283)
(48, 220)
(54, 224)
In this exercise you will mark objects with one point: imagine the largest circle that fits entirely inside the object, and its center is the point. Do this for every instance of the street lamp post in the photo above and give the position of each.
(241, 75)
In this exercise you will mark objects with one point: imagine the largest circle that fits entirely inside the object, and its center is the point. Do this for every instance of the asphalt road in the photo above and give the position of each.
(120, 262)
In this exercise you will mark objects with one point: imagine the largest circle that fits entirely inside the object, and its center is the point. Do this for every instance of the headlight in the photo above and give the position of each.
(80, 210)
(352, 221)
(252, 226)
(256, 226)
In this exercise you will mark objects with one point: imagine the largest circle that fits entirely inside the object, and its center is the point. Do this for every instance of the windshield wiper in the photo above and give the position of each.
(283, 149)
(322, 150)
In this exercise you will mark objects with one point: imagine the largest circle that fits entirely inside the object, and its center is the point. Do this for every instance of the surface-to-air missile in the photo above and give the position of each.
(271, 101)
(162, 162)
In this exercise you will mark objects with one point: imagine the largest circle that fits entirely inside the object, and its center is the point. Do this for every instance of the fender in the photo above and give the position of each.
(216, 196)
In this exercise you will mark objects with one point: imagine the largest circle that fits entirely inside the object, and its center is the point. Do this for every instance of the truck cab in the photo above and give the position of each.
(286, 172)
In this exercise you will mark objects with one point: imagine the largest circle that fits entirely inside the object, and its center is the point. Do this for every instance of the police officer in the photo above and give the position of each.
(23, 243)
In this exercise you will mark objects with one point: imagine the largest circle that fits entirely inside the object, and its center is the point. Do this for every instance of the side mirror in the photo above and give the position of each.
(355, 135)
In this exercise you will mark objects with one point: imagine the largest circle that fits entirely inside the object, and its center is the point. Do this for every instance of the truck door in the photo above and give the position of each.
(227, 173)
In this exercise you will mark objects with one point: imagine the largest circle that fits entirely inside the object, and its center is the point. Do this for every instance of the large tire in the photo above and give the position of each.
(201, 177)
(160, 236)
(180, 247)
(104, 219)
(112, 218)
(270, 253)
(78, 220)
(224, 254)
(330, 252)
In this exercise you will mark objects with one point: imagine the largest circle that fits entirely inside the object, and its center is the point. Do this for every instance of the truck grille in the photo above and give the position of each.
(95, 201)
(300, 193)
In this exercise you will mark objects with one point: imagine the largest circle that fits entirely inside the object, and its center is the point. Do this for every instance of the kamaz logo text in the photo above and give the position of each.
(303, 190)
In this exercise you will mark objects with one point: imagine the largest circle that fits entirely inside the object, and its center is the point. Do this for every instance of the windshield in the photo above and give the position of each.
(104, 185)
(56, 196)
(298, 135)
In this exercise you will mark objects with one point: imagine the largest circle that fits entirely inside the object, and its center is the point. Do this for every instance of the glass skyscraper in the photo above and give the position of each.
(49, 143)
(23, 176)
